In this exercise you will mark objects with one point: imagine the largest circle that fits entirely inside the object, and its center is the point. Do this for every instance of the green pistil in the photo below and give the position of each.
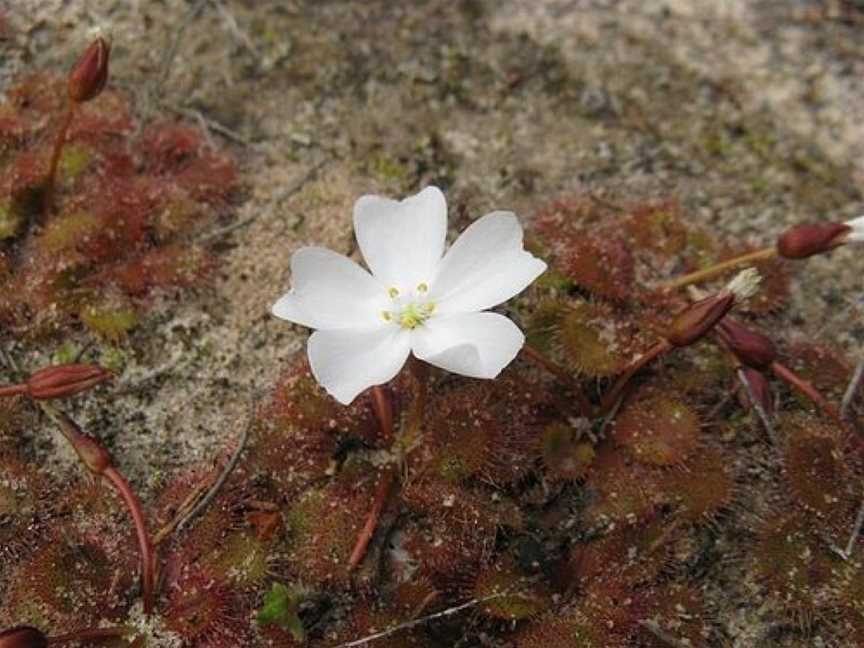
(414, 315)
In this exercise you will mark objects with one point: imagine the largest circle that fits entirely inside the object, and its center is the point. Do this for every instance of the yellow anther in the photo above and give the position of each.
(386, 315)
(422, 287)
(393, 292)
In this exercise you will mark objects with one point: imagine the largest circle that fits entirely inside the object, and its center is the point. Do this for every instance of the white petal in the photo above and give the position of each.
(856, 234)
(347, 361)
(486, 265)
(402, 241)
(330, 291)
(479, 345)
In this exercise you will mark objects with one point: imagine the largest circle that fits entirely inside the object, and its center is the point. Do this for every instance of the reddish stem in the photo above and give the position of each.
(148, 556)
(88, 634)
(13, 390)
(55, 154)
(420, 371)
(532, 354)
(383, 406)
(365, 537)
(795, 381)
(610, 397)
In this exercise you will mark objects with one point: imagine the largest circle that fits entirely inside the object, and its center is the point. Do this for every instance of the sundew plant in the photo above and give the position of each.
(539, 431)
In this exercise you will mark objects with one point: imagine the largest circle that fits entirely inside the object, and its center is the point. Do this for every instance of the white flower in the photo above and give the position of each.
(745, 284)
(416, 299)
(856, 230)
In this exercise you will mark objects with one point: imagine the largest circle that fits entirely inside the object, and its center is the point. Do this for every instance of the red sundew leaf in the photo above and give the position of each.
(39, 93)
(209, 178)
(166, 148)
(106, 118)
(170, 266)
(28, 171)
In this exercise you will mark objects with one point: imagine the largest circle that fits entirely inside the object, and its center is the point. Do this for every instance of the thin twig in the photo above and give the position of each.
(186, 505)
(234, 28)
(411, 624)
(851, 390)
(170, 53)
(283, 195)
(760, 411)
(846, 553)
(210, 124)
(856, 531)
(9, 361)
(226, 472)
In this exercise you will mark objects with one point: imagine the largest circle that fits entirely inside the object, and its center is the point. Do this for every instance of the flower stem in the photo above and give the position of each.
(13, 390)
(388, 479)
(610, 397)
(89, 634)
(148, 556)
(538, 358)
(802, 386)
(718, 269)
(59, 141)
(383, 406)
(420, 371)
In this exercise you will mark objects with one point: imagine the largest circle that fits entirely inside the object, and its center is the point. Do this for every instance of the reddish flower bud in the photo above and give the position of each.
(751, 348)
(88, 449)
(23, 637)
(90, 74)
(697, 320)
(65, 380)
(760, 388)
(802, 241)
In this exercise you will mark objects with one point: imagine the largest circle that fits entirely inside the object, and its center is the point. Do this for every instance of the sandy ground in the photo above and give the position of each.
(749, 112)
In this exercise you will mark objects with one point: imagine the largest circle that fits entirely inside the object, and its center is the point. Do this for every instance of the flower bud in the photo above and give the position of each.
(89, 450)
(760, 390)
(90, 74)
(23, 637)
(65, 380)
(802, 241)
(697, 320)
(751, 348)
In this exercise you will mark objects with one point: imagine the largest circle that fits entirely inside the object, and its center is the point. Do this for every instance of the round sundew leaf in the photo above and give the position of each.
(659, 430)
(588, 335)
(701, 487)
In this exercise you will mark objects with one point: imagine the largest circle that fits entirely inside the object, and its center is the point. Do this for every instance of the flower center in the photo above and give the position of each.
(412, 311)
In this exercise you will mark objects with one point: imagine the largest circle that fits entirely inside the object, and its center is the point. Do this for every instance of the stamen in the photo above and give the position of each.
(393, 292)
(414, 315)
(422, 287)
(386, 315)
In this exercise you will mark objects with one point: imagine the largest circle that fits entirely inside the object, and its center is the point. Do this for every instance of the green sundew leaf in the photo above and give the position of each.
(281, 607)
